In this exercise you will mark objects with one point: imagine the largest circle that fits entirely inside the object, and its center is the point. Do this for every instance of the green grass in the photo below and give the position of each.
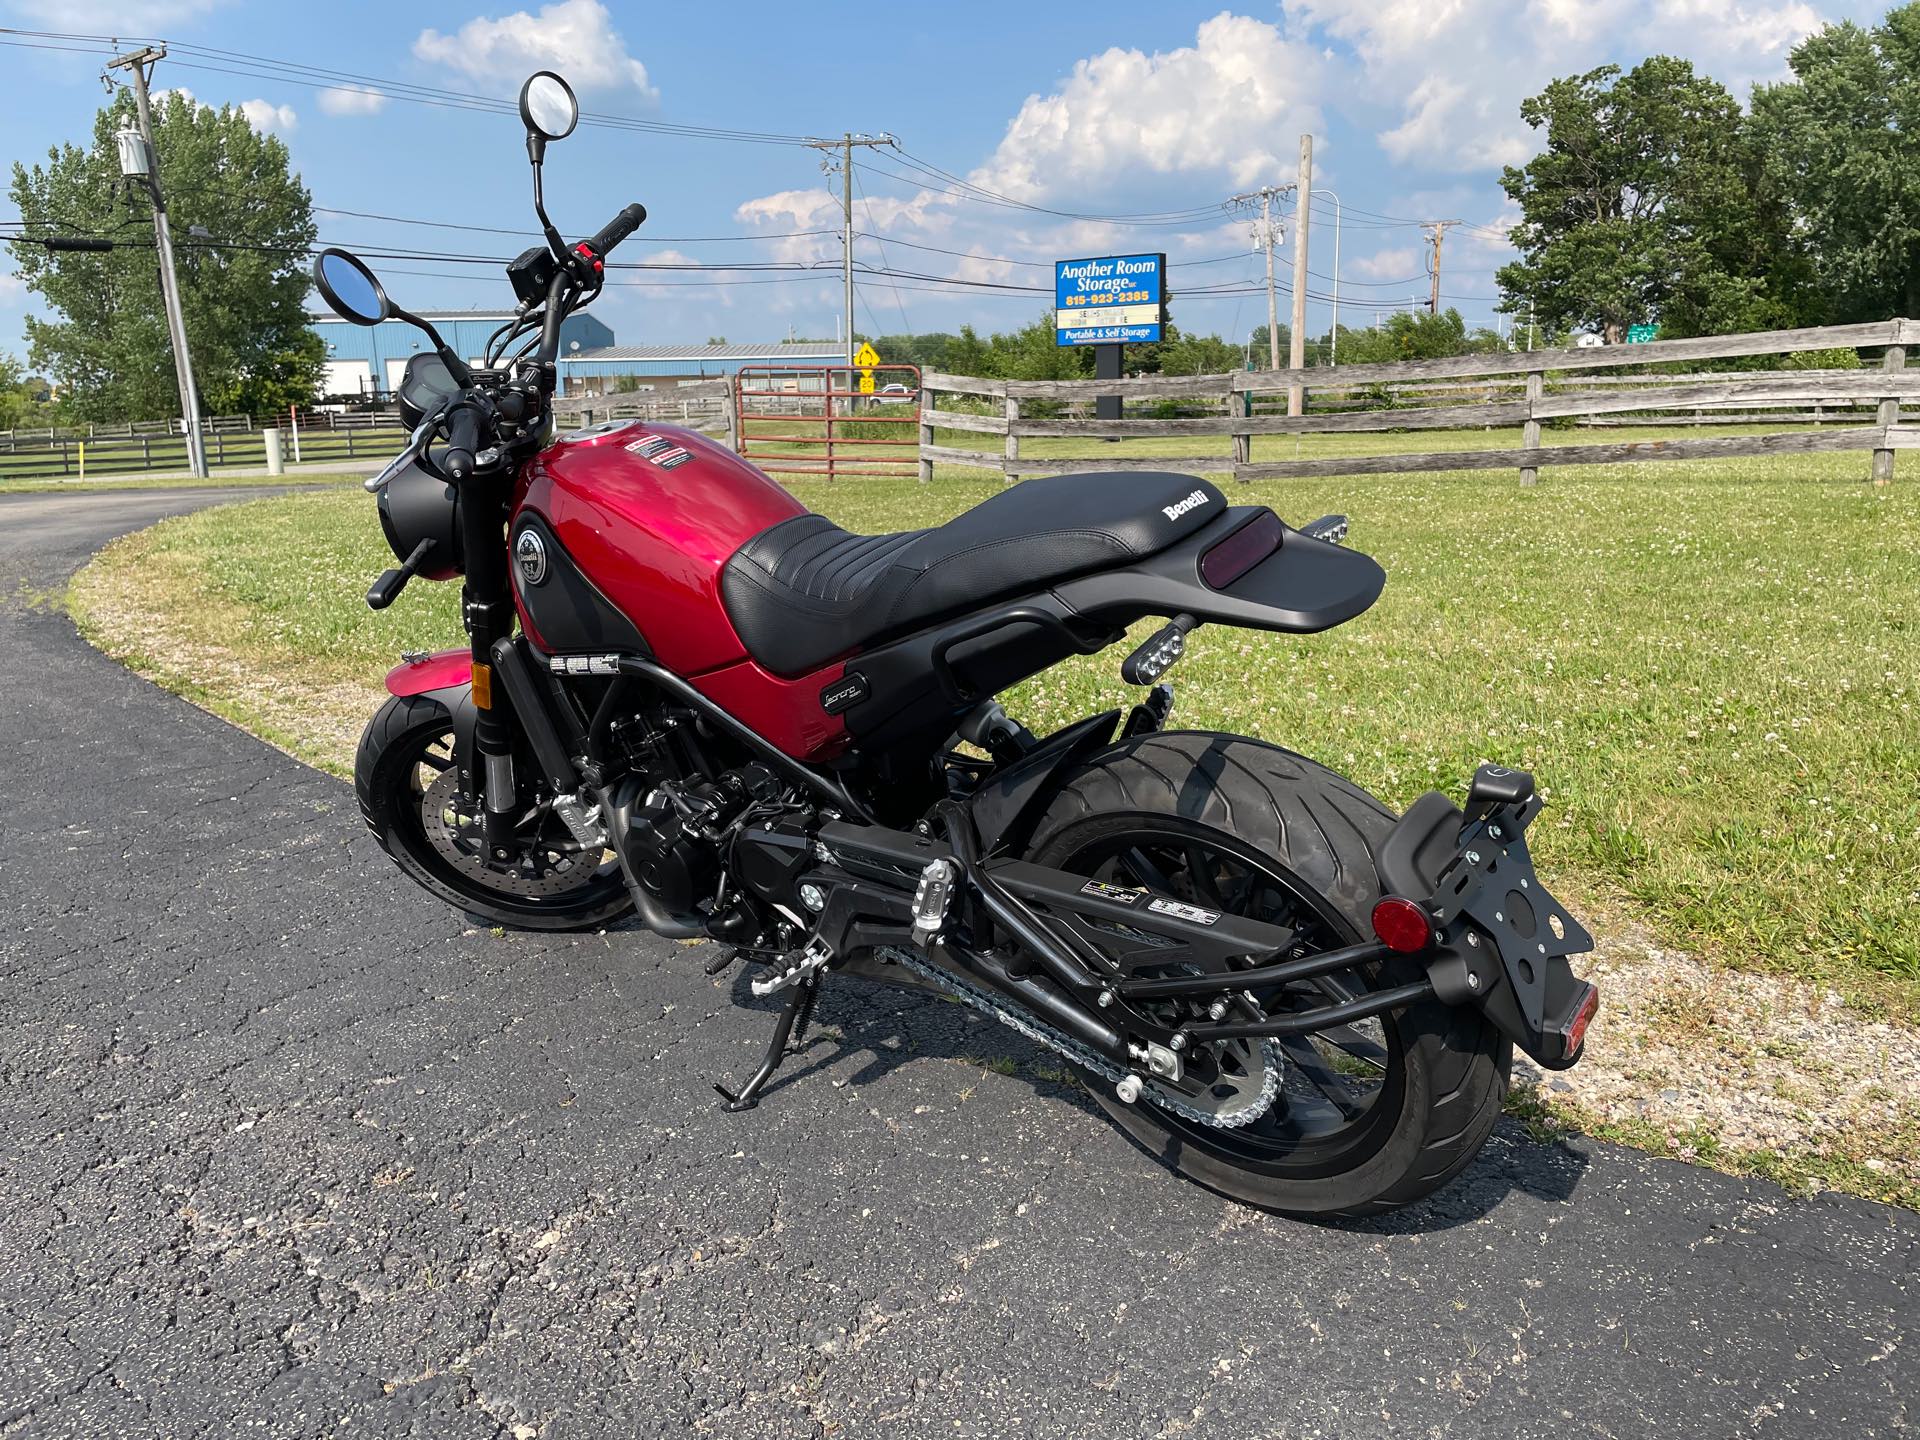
(1709, 665)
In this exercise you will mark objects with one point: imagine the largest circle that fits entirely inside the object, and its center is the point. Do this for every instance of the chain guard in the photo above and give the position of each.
(1086, 1058)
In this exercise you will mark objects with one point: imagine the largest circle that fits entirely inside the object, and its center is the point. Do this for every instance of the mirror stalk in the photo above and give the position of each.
(456, 367)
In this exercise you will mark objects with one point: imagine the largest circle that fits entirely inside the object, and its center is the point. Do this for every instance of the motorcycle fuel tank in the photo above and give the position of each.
(647, 515)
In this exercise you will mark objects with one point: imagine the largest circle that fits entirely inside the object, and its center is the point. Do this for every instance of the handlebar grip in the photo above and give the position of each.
(464, 435)
(617, 229)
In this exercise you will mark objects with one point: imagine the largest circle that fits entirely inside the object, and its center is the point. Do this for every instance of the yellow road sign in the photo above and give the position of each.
(866, 357)
(866, 382)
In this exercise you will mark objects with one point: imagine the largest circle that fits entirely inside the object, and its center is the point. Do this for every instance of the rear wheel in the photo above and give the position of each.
(1366, 1117)
(409, 793)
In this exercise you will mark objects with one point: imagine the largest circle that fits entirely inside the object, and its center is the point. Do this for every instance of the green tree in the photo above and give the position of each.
(1842, 139)
(243, 228)
(1414, 335)
(25, 400)
(928, 351)
(1184, 354)
(1257, 342)
(1648, 203)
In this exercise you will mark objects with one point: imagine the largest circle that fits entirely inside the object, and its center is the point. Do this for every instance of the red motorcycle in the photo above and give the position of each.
(689, 697)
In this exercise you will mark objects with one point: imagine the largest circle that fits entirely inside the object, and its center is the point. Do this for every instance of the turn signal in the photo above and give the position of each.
(1402, 925)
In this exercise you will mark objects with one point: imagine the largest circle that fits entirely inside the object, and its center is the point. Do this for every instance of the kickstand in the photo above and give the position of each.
(793, 1017)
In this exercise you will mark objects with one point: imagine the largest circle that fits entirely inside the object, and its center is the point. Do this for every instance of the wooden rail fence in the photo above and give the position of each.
(1575, 393)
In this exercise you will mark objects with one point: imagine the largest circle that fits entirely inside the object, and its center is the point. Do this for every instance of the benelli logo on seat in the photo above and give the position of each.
(1181, 507)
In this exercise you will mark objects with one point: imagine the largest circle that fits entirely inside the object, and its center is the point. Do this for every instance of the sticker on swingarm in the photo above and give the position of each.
(1119, 894)
(1180, 911)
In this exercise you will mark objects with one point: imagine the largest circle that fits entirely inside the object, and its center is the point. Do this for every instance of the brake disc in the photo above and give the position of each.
(533, 867)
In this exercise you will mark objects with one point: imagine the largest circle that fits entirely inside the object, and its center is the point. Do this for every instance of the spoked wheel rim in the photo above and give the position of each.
(1341, 1090)
(544, 871)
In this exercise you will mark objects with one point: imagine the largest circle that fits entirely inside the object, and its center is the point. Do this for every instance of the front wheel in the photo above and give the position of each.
(1364, 1117)
(409, 793)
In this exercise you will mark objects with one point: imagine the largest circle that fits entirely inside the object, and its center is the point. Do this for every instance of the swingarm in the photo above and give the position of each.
(1136, 982)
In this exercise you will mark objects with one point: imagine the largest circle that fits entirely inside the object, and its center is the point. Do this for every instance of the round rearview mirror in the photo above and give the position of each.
(350, 288)
(547, 106)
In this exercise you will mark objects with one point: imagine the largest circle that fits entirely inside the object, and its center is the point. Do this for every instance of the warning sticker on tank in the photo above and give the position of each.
(672, 458)
(650, 445)
(1119, 894)
(1181, 911)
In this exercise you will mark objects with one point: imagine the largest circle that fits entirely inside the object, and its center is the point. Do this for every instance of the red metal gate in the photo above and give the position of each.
(829, 420)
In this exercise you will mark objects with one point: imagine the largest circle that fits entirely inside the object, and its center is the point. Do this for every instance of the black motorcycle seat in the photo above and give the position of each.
(805, 591)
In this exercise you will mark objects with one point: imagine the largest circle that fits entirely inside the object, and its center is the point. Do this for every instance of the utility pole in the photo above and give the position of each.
(845, 146)
(1303, 193)
(138, 64)
(1265, 236)
(1436, 233)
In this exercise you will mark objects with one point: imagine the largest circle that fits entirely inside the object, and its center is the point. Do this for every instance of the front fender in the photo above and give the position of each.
(447, 678)
(438, 671)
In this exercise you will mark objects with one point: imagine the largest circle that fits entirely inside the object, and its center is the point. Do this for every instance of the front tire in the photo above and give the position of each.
(406, 746)
(1401, 1108)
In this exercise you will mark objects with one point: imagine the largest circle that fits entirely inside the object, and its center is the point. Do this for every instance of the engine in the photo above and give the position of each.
(676, 836)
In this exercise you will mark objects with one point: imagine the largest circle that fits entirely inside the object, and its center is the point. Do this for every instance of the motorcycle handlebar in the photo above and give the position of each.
(465, 432)
(616, 230)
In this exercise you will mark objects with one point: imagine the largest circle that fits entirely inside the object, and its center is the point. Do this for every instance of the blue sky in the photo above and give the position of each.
(1119, 110)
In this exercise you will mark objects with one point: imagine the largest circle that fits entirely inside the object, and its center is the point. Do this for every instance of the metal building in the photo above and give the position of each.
(368, 360)
(661, 367)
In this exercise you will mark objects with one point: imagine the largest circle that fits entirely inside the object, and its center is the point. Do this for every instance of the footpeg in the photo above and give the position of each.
(932, 898)
(809, 960)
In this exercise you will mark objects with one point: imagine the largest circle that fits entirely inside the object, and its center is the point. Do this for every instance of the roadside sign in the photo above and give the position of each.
(1641, 334)
(866, 382)
(1109, 300)
(866, 357)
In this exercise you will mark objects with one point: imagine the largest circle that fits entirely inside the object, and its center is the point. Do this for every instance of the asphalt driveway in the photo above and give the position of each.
(288, 1149)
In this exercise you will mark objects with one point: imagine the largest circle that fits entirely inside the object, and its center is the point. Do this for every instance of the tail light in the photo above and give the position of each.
(1401, 925)
(1573, 1034)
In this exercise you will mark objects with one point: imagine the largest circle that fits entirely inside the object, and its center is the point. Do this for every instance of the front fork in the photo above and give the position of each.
(486, 603)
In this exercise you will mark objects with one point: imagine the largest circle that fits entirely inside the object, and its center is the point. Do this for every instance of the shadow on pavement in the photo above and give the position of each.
(888, 1026)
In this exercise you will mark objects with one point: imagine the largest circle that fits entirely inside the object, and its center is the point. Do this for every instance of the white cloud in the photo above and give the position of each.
(574, 37)
(352, 100)
(1456, 70)
(803, 209)
(264, 115)
(12, 287)
(1461, 127)
(1394, 264)
(1235, 101)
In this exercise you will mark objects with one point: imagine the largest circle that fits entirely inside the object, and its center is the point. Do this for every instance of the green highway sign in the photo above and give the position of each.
(1641, 334)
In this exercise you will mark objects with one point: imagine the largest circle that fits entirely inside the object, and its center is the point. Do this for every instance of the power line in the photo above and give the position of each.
(217, 61)
(899, 304)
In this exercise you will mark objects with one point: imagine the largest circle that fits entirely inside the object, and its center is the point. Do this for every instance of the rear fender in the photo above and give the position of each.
(1010, 801)
(1247, 569)
(445, 677)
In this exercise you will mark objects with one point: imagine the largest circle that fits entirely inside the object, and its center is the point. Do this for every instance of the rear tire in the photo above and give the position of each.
(411, 734)
(1443, 1070)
